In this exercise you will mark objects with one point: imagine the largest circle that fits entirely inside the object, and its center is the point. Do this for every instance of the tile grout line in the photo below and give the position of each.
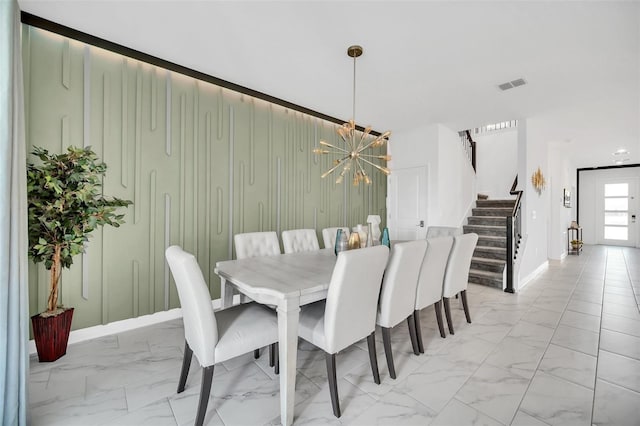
(545, 352)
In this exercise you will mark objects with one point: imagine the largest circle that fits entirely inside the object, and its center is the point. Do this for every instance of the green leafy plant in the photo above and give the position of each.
(65, 205)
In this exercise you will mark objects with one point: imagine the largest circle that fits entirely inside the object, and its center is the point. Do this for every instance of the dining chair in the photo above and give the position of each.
(443, 231)
(456, 277)
(297, 240)
(349, 312)
(256, 244)
(253, 244)
(214, 337)
(398, 294)
(430, 283)
(329, 235)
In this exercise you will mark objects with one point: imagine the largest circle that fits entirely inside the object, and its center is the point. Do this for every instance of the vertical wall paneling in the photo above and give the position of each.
(152, 240)
(252, 145)
(137, 205)
(64, 133)
(154, 99)
(168, 114)
(124, 161)
(232, 130)
(167, 243)
(279, 196)
(194, 164)
(86, 141)
(183, 166)
(220, 201)
(66, 64)
(135, 269)
(199, 162)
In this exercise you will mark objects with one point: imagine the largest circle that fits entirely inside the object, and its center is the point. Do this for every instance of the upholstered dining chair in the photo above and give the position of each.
(329, 235)
(430, 282)
(398, 294)
(349, 312)
(256, 244)
(214, 337)
(456, 277)
(297, 240)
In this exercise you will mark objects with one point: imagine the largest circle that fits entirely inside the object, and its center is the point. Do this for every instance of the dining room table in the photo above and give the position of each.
(287, 281)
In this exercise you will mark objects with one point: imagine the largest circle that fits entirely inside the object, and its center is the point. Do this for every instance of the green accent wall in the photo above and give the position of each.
(200, 162)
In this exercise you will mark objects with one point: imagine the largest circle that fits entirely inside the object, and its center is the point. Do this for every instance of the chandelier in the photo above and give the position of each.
(357, 146)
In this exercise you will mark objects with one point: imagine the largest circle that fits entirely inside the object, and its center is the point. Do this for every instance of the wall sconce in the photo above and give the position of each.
(537, 179)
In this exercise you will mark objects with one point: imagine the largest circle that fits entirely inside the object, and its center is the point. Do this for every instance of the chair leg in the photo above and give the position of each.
(276, 355)
(386, 341)
(416, 320)
(447, 313)
(256, 353)
(438, 308)
(412, 334)
(271, 357)
(333, 384)
(186, 363)
(463, 295)
(205, 390)
(373, 357)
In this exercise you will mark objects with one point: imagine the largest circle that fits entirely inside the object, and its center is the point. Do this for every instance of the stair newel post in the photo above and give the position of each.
(509, 287)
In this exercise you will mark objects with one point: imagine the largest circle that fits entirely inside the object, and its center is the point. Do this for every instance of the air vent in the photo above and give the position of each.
(511, 84)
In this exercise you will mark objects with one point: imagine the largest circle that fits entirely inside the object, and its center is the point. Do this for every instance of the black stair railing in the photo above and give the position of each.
(469, 147)
(514, 235)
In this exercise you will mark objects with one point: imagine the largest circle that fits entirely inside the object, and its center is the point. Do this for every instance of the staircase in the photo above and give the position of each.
(489, 221)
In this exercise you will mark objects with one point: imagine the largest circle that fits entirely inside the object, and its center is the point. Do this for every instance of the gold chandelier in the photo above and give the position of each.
(353, 154)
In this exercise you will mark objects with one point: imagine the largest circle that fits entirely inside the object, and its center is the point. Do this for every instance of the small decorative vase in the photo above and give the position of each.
(374, 226)
(342, 243)
(385, 238)
(337, 242)
(354, 241)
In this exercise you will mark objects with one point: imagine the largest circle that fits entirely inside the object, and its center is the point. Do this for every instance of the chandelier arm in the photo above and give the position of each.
(331, 170)
(334, 147)
(380, 157)
(382, 169)
(363, 137)
(364, 173)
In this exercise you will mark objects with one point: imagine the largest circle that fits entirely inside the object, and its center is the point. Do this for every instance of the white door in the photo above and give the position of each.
(616, 212)
(407, 208)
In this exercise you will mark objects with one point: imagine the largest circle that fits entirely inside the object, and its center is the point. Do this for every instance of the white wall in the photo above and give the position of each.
(532, 153)
(496, 162)
(562, 175)
(590, 180)
(457, 181)
(451, 179)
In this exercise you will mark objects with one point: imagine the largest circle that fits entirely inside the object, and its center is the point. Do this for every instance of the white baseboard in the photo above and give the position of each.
(540, 269)
(94, 332)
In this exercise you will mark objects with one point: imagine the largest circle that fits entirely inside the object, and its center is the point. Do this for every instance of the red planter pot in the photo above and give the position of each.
(52, 334)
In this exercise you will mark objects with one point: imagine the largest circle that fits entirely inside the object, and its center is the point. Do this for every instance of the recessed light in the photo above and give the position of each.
(621, 161)
(620, 151)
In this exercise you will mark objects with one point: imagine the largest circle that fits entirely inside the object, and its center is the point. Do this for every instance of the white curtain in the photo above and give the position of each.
(14, 308)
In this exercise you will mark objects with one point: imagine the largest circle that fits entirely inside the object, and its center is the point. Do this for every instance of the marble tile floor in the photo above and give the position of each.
(565, 350)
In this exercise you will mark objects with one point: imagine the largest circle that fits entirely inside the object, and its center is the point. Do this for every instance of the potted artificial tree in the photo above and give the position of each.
(65, 205)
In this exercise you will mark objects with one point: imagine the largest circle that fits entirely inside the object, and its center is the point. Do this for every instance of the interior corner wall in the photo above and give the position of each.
(496, 162)
(451, 179)
(532, 153)
(562, 177)
(456, 179)
(200, 163)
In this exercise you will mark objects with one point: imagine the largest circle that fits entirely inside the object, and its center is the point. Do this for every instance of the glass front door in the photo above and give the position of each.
(618, 213)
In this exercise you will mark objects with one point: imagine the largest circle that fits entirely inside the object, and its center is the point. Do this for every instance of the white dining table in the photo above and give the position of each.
(288, 281)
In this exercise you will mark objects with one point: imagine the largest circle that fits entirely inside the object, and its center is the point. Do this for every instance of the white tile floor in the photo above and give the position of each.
(566, 350)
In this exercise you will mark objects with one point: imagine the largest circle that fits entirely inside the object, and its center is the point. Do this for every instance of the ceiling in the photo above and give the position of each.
(424, 62)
